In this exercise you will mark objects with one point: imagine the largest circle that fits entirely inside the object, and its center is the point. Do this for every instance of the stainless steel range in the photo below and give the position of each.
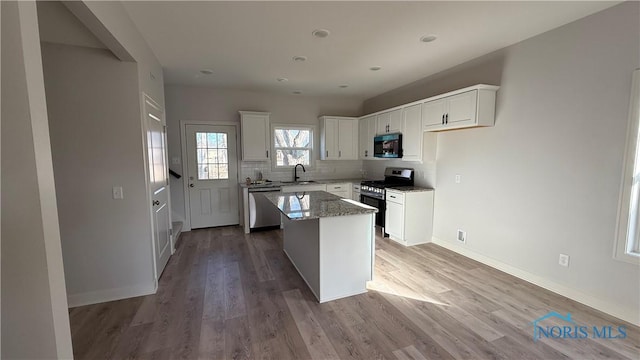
(373, 192)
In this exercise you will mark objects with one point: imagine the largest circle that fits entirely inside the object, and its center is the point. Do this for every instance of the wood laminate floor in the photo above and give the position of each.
(226, 295)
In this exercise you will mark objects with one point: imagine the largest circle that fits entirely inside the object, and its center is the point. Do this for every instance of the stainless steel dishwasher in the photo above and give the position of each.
(262, 213)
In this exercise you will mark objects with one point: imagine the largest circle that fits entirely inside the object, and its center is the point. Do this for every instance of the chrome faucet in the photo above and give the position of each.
(295, 172)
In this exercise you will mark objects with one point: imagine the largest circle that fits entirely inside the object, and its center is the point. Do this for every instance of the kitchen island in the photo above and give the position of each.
(329, 240)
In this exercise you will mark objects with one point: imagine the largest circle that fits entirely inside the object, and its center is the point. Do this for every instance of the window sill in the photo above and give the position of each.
(631, 258)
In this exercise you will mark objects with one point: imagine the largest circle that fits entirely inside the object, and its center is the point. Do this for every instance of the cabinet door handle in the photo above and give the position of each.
(267, 152)
(327, 153)
(391, 196)
(337, 187)
(446, 119)
(442, 119)
(366, 153)
(339, 153)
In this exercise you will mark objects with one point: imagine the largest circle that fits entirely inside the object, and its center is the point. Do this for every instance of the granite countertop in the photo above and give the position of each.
(316, 204)
(267, 184)
(409, 188)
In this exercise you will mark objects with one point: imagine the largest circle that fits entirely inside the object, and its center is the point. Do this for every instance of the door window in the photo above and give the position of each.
(212, 157)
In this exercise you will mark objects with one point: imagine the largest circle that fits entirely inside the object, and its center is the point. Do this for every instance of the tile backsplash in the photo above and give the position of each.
(322, 170)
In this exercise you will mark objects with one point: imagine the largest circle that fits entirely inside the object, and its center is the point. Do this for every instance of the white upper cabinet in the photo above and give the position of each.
(389, 122)
(433, 113)
(412, 134)
(469, 107)
(255, 135)
(348, 139)
(367, 131)
(338, 138)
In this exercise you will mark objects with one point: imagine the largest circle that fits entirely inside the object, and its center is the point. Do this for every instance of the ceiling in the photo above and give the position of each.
(248, 45)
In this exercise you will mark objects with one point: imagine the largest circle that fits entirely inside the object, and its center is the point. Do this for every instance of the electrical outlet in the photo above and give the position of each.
(462, 236)
(564, 260)
(458, 179)
(117, 193)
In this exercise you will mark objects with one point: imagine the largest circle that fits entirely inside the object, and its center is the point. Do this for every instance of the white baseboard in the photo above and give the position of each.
(627, 314)
(100, 296)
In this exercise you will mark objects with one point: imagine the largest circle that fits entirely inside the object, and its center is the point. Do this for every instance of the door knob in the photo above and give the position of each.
(190, 185)
(156, 202)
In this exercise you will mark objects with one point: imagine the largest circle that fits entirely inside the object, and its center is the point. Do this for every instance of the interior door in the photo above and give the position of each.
(158, 184)
(213, 175)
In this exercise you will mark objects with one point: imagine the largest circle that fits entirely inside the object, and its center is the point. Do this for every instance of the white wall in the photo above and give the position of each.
(545, 180)
(58, 25)
(96, 139)
(110, 22)
(35, 322)
(214, 105)
(94, 104)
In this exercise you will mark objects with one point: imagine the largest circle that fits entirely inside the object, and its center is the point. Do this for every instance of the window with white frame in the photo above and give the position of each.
(292, 145)
(628, 233)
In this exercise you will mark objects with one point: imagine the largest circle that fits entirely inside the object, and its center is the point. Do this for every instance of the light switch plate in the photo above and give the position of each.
(458, 179)
(563, 260)
(118, 194)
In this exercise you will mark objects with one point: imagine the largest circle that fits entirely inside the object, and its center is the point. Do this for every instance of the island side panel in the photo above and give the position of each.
(300, 243)
(346, 252)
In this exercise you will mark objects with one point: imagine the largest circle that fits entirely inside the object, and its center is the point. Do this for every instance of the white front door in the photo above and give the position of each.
(212, 175)
(158, 183)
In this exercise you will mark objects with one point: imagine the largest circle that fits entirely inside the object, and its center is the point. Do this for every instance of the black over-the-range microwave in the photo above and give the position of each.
(387, 146)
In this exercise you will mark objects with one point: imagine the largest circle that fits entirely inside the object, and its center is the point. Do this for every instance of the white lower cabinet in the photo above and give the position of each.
(355, 192)
(303, 188)
(409, 216)
(394, 220)
(343, 190)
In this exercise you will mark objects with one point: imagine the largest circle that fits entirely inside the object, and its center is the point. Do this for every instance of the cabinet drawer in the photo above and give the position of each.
(342, 194)
(395, 196)
(337, 187)
(303, 188)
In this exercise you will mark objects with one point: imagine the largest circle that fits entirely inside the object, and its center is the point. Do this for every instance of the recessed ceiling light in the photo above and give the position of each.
(300, 58)
(282, 79)
(297, 92)
(428, 38)
(375, 68)
(343, 86)
(206, 71)
(321, 33)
